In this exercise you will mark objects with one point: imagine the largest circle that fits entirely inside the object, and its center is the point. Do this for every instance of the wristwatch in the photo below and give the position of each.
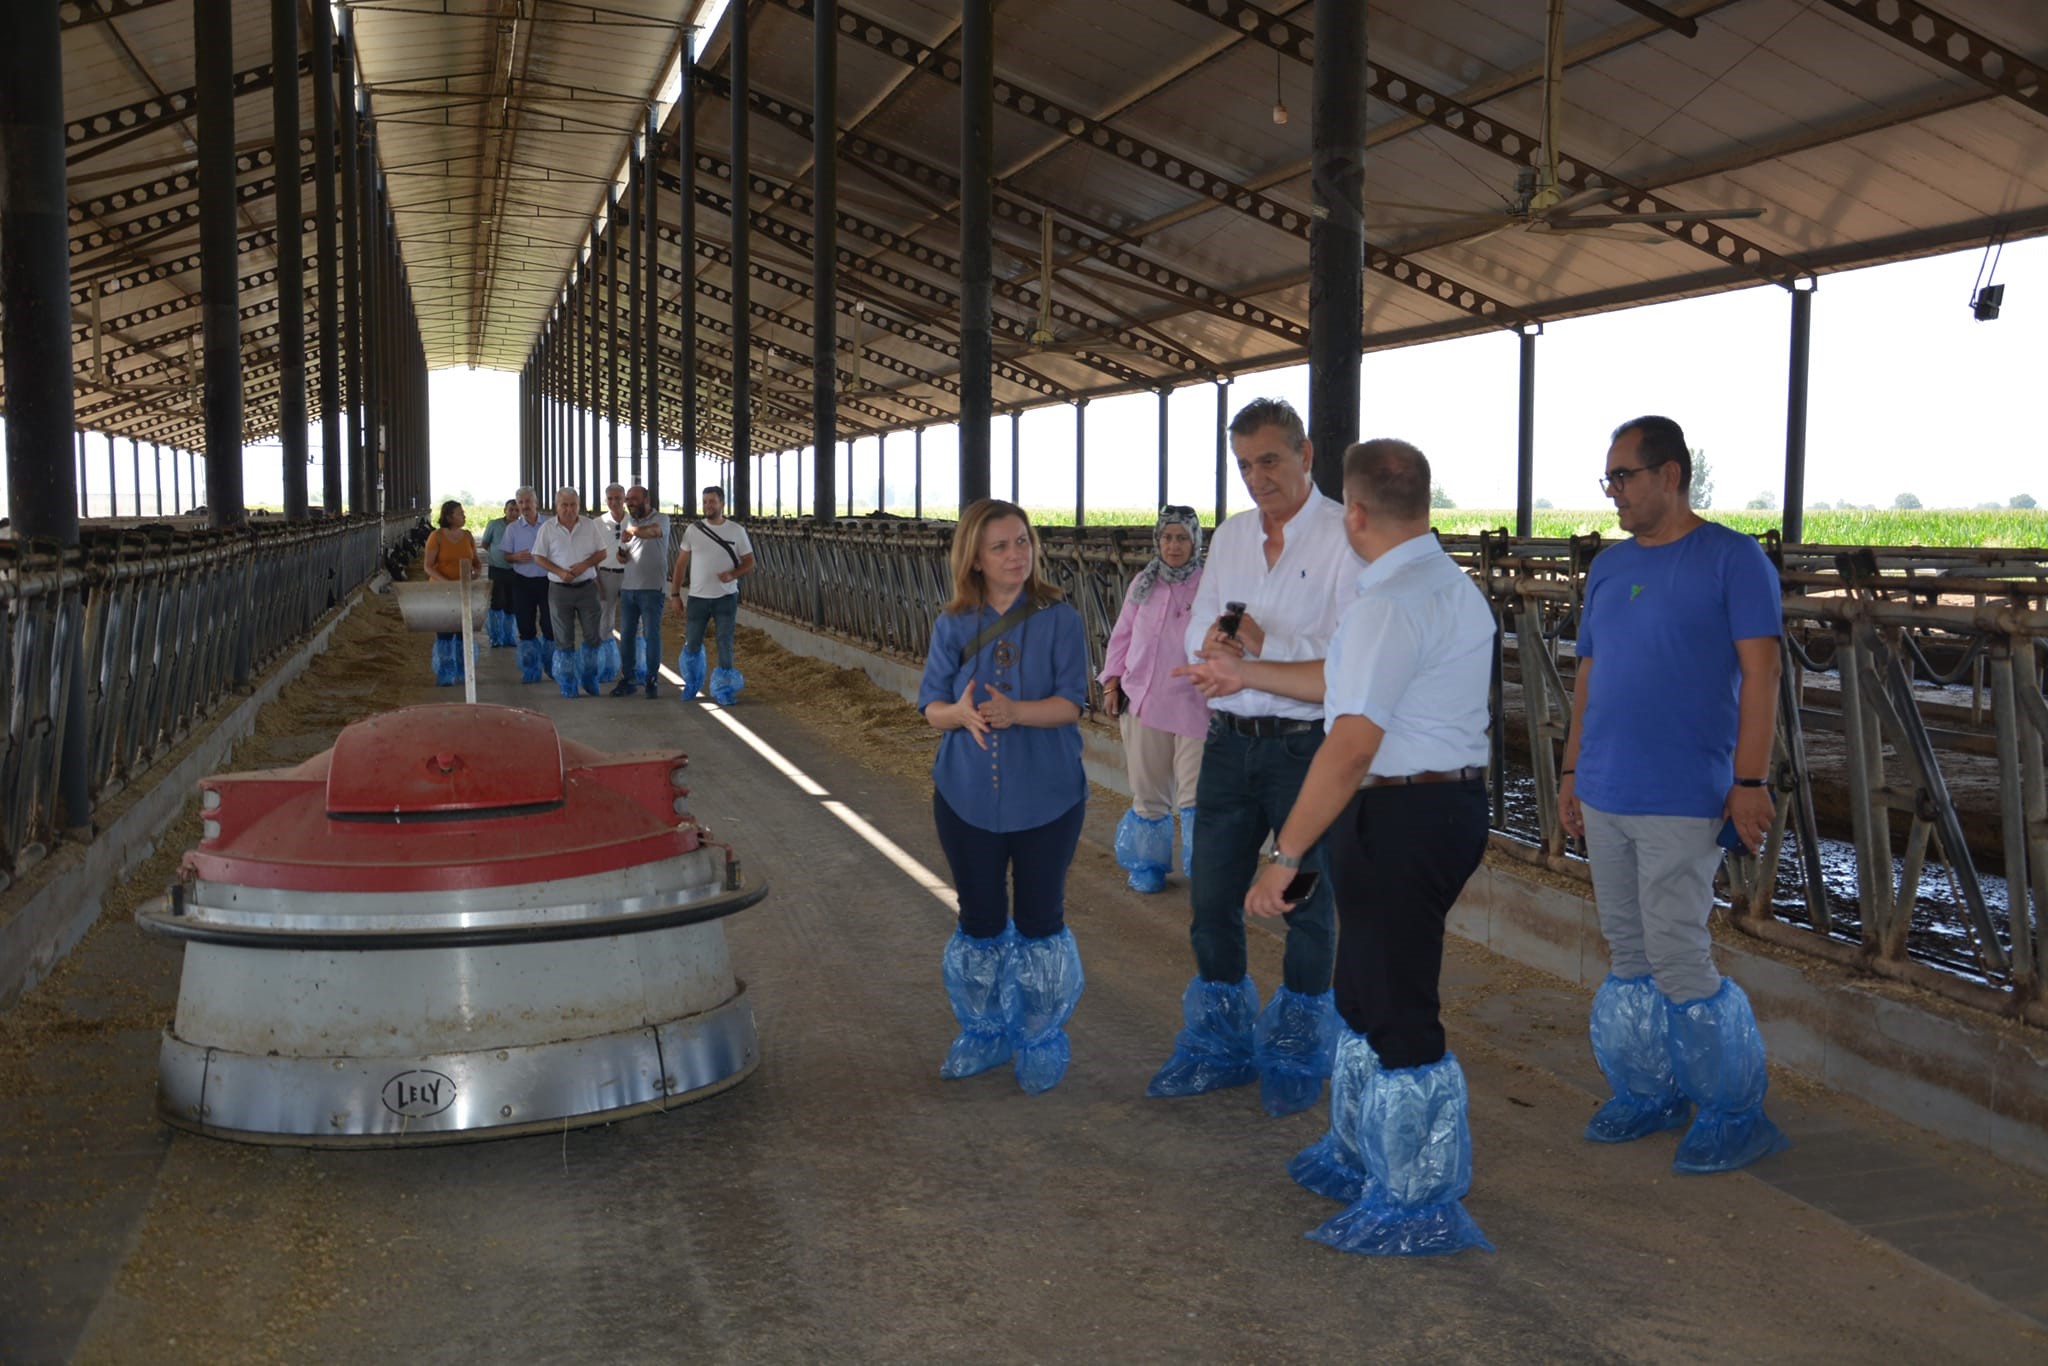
(1285, 860)
(1752, 782)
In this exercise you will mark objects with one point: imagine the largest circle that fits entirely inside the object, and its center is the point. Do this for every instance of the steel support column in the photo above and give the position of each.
(608, 347)
(1080, 462)
(742, 227)
(323, 239)
(291, 269)
(824, 242)
(351, 277)
(1164, 396)
(371, 359)
(1016, 457)
(881, 471)
(977, 267)
(1795, 411)
(135, 463)
(1222, 450)
(156, 465)
(650, 307)
(1525, 435)
(1336, 238)
(213, 38)
(917, 473)
(634, 315)
(686, 236)
(35, 344)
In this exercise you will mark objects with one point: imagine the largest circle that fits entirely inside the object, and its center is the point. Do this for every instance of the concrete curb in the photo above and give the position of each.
(1977, 1080)
(61, 897)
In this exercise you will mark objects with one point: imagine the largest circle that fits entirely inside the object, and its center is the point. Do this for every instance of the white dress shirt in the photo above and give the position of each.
(1414, 656)
(1296, 602)
(566, 546)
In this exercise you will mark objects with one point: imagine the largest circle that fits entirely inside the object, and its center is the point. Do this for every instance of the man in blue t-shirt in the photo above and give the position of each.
(1673, 715)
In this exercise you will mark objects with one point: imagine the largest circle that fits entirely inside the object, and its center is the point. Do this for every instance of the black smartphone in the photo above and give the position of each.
(1301, 886)
(1232, 613)
(1730, 840)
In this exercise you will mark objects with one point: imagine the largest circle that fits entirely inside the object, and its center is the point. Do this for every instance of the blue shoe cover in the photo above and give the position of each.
(1041, 983)
(1332, 1167)
(690, 664)
(1187, 840)
(640, 674)
(1718, 1057)
(588, 659)
(1418, 1150)
(529, 661)
(447, 657)
(973, 971)
(1294, 1045)
(508, 629)
(494, 628)
(565, 673)
(1214, 1047)
(1144, 849)
(608, 661)
(1628, 1042)
(726, 685)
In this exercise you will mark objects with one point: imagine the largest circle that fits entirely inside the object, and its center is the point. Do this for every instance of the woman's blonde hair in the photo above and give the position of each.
(969, 593)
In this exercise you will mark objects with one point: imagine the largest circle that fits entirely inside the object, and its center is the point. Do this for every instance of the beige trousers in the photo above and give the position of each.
(1163, 767)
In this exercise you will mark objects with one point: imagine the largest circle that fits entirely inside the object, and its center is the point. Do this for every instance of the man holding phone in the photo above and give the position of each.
(1398, 785)
(1276, 579)
(1670, 748)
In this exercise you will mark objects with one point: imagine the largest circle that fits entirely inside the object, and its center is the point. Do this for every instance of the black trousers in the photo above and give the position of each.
(502, 581)
(1399, 857)
(530, 606)
(986, 863)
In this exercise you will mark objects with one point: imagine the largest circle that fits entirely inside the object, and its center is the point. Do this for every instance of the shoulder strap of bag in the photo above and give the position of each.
(1015, 616)
(727, 545)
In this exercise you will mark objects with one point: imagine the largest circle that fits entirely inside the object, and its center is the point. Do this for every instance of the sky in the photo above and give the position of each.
(1908, 394)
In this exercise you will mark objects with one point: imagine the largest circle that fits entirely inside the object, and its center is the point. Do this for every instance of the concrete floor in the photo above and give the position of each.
(844, 1204)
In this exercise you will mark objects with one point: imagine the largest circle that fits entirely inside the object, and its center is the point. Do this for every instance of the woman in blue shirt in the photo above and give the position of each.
(1006, 678)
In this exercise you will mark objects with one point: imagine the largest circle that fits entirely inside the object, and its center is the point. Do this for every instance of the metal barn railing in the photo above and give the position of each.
(161, 613)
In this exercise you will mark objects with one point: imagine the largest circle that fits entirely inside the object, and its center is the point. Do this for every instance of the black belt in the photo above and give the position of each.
(602, 570)
(1266, 727)
(1445, 775)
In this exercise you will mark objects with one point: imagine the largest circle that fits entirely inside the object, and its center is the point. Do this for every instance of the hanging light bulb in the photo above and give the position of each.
(1279, 105)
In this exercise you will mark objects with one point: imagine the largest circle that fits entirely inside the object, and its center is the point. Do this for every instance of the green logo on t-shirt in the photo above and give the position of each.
(1634, 590)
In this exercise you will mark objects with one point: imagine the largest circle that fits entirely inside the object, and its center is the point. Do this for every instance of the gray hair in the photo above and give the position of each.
(608, 489)
(574, 496)
(525, 491)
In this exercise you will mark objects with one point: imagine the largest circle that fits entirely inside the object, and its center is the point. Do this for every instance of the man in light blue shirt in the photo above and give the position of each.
(1397, 784)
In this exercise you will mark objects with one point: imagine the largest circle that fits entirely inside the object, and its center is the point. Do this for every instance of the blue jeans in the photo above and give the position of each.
(638, 606)
(986, 863)
(724, 611)
(1247, 787)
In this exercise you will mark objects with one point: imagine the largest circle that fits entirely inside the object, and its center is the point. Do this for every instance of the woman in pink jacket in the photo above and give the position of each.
(1164, 719)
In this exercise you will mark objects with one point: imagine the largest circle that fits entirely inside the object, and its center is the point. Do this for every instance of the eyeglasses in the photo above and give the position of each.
(1614, 479)
(1177, 510)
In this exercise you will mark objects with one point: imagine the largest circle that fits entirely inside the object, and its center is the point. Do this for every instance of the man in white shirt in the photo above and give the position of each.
(1399, 786)
(611, 575)
(714, 556)
(570, 548)
(1287, 568)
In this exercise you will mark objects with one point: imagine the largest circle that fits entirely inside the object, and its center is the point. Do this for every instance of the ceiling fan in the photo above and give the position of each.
(1538, 203)
(1042, 339)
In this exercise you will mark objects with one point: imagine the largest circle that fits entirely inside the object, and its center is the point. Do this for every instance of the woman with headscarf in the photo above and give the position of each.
(1164, 719)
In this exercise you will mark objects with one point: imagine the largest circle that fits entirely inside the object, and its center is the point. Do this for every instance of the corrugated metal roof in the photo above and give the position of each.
(1868, 130)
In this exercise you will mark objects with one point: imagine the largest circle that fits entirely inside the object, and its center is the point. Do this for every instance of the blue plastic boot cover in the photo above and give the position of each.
(1628, 1042)
(973, 970)
(608, 661)
(1214, 1047)
(1144, 849)
(494, 627)
(1294, 1044)
(529, 661)
(726, 685)
(640, 674)
(508, 629)
(1717, 1056)
(588, 659)
(1187, 840)
(565, 672)
(690, 664)
(1041, 983)
(444, 668)
(1418, 1150)
(1332, 1167)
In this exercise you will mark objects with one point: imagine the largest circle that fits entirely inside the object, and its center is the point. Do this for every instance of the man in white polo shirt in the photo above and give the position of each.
(1276, 580)
(570, 548)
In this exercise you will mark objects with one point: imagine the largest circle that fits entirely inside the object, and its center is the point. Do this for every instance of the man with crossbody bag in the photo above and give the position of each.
(715, 555)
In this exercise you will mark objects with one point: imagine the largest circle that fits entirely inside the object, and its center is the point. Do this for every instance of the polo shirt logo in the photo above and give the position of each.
(1634, 591)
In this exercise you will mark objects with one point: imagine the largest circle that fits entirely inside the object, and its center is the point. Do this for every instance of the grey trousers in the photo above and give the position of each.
(570, 606)
(1653, 881)
(608, 604)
